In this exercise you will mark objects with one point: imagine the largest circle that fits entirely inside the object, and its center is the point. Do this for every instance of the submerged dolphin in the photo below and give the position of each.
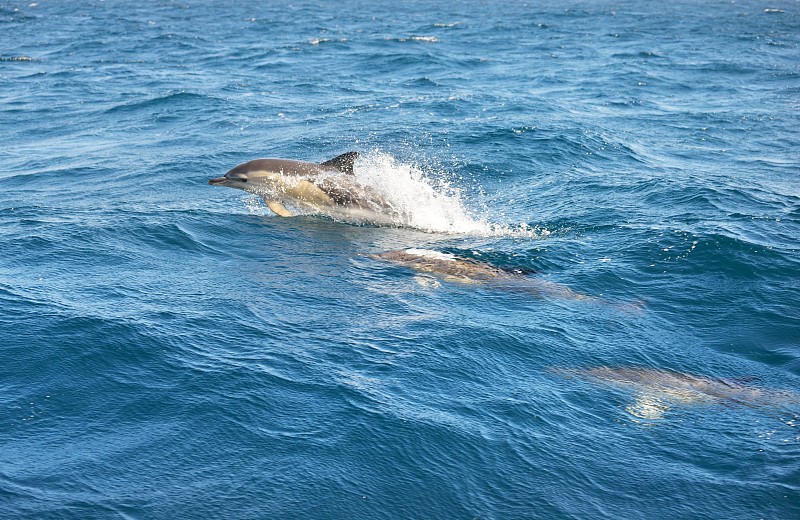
(656, 391)
(451, 268)
(329, 188)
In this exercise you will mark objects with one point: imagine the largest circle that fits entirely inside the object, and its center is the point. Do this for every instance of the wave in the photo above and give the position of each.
(17, 58)
(318, 41)
(413, 38)
(176, 97)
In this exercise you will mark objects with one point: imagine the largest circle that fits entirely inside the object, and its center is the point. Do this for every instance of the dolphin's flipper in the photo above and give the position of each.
(278, 208)
(343, 163)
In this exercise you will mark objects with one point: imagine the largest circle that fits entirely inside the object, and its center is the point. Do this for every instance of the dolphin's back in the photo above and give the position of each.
(687, 388)
(282, 166)
(343, 163)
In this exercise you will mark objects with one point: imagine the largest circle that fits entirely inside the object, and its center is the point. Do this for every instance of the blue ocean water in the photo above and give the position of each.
(173, 350)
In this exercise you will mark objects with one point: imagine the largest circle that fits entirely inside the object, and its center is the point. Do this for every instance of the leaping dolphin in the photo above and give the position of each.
(656, 391)
(452, 268)
(329, 188)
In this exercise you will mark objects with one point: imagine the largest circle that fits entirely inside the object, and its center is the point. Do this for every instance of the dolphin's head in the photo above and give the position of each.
(258, 176)
(236, 178)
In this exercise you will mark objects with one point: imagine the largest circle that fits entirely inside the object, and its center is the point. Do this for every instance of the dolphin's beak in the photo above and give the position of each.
(218, 181)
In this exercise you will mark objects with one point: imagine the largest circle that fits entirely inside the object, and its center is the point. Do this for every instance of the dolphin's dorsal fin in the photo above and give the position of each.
(343, 163)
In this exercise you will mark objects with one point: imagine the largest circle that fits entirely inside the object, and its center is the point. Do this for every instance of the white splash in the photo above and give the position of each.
(429, 202)
(428, 39)
(430, 253)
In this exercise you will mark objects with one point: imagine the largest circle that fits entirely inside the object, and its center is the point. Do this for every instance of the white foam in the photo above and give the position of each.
(428, 201)
(429, 39)
(430, 253)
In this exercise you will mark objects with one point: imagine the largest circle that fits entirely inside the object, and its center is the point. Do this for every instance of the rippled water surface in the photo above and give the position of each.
(172, 349)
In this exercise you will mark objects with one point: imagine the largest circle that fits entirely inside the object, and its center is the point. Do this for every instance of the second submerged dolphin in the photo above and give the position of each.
(329, 188)
(656, 391)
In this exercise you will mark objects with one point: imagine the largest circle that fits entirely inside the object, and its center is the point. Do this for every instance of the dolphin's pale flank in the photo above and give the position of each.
(452, 268)
(329, 188)
(656, 391)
